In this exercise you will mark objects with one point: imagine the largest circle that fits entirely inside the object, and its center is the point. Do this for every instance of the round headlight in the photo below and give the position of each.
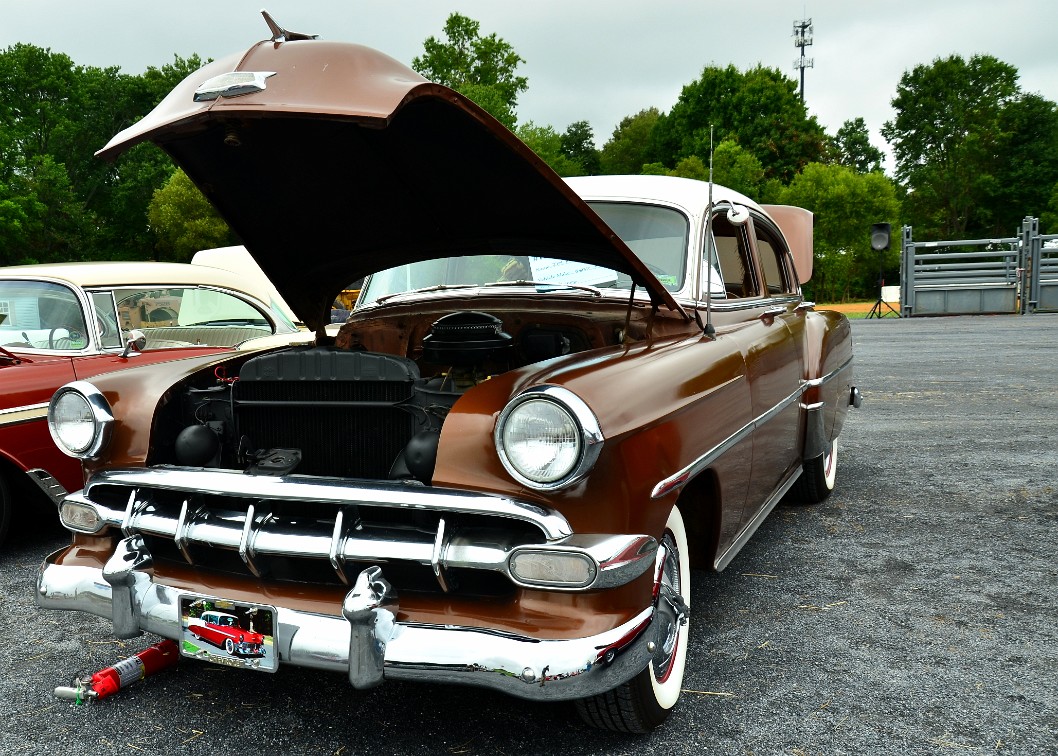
(547, 438)
(541, 440)
(80, 419)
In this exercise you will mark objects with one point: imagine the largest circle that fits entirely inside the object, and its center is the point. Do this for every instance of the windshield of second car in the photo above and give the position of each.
(183, 316)
(658, 236)
(41, 315)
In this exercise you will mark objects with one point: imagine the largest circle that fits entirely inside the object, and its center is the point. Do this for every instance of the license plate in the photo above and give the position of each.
(232, 633)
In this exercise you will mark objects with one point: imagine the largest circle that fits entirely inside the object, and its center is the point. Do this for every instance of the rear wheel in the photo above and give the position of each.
(645, 701)
(818, 476)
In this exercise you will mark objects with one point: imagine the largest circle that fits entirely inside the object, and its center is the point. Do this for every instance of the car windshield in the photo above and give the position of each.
(182, 316)
(41, 315)
(657, 235)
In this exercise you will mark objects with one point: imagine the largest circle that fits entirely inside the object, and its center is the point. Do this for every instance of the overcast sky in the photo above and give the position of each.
(594, 60)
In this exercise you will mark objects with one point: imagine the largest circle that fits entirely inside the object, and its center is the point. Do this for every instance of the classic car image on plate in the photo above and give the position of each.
(74, 321)
(237, 634)
(552, 400)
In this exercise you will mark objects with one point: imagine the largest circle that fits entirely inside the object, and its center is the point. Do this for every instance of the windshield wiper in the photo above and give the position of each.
(424, 290)
(6, 355)
(594, 291)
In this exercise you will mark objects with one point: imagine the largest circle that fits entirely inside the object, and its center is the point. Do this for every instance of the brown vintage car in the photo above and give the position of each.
(552, 400)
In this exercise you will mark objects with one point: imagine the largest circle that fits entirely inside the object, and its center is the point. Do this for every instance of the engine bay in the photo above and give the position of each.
(372, 404)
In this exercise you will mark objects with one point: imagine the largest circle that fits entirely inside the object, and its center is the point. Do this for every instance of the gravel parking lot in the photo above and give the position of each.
(912, 613)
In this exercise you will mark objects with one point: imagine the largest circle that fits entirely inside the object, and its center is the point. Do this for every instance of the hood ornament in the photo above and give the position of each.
(279, 34)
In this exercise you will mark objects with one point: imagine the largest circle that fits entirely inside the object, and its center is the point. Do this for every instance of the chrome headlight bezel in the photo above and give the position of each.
(588, 435)
(99, 412)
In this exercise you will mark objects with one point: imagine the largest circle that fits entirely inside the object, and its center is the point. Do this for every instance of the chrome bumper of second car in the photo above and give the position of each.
(367, 642)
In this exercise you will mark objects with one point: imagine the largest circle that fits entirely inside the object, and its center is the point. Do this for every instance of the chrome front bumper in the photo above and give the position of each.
(367, 642)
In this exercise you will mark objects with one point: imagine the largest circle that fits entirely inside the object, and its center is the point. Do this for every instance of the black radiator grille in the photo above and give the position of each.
(337, 407)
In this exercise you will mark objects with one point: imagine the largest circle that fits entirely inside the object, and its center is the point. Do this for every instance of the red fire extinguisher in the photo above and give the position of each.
(107, 682)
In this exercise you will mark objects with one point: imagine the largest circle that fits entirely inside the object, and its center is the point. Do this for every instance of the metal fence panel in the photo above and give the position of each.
(980, 276)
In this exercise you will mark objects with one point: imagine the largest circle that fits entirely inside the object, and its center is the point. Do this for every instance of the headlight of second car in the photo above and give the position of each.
(548, 438)
(80, 420)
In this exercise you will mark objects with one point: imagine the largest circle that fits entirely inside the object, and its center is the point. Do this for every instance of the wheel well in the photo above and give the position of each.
(21, 488)
(699, 503)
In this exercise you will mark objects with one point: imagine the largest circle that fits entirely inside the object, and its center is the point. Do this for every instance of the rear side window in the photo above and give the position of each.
(775, 261)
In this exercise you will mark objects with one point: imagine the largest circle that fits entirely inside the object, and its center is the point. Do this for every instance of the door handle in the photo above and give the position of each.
(772, 312)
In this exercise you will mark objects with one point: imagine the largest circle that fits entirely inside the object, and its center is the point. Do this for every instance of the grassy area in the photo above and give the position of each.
(852, 310)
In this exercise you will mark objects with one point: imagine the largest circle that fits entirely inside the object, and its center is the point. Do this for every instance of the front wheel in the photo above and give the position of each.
(818, 476)
(644, 702)
(229, 646)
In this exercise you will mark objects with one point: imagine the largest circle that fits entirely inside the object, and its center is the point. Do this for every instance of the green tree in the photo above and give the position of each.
(853, 148)
(845, 204)
(127, 185)
(946, 137)
(1049, 217)
(184, 221)
(481, 68)
(759, 109)
(54, 116)
(627, 150)
(547, 144)
(1026, 164)
(737, 169)
(578, 144)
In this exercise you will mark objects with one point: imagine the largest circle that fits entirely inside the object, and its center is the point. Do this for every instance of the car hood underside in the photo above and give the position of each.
(347, 162)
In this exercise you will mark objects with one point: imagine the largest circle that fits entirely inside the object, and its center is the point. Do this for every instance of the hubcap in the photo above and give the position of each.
(671, 608)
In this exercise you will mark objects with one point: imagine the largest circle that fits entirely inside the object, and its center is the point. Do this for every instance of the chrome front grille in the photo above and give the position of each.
(302, 528)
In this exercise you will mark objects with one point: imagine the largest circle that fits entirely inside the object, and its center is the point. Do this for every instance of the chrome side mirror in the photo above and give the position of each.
(134, 339)
(738, 214)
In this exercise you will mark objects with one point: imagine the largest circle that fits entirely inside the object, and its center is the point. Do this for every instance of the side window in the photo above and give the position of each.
(774, 260)
(733, 258)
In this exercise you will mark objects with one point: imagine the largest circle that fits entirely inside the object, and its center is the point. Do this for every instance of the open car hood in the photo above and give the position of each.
(332, 161)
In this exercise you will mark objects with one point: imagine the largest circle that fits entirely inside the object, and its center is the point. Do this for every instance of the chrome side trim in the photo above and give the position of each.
(816, 382)
(679, 479)
(52, 488)
(751, 527)
(523, 666)
(191, 480)
(816, 440)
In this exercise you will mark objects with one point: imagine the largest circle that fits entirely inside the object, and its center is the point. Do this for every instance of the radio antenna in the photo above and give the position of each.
(709, 330)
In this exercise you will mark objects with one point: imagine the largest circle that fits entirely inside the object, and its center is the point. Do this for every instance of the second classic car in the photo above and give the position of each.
(552, 400)
(224, 631)
(74, 321)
